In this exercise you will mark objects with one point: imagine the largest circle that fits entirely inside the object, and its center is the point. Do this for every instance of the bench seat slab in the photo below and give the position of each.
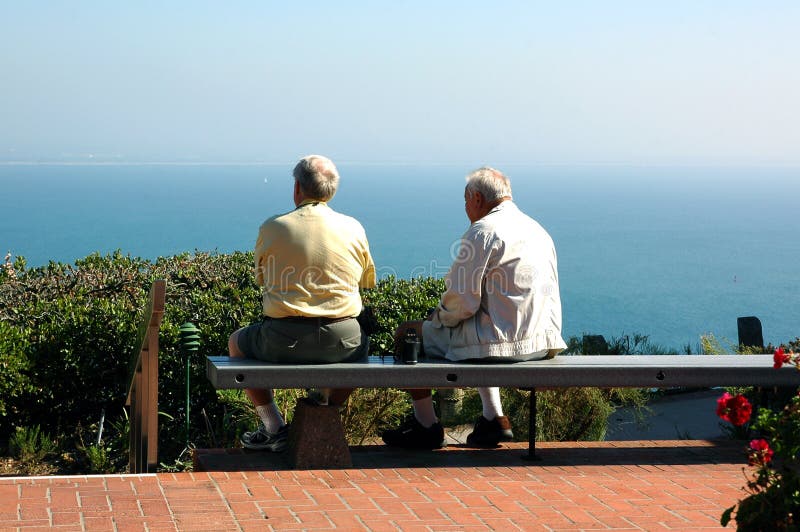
(643, 371)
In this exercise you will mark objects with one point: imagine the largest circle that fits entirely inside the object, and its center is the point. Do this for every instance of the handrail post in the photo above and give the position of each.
(151, 391)
(143, 388)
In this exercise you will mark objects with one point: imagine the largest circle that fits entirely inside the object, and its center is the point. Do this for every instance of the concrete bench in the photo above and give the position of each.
(643, 371)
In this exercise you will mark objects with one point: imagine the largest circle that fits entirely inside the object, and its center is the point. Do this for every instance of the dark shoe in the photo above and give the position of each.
(489, 433)
(261, 440)
(412, 435)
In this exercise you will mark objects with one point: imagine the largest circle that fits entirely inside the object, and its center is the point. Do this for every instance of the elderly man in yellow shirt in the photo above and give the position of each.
(311, 263)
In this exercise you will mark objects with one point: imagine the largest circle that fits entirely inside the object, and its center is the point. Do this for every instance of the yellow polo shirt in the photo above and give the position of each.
(311, 262)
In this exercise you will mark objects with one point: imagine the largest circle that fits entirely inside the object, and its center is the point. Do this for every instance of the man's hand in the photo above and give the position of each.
(401, 332)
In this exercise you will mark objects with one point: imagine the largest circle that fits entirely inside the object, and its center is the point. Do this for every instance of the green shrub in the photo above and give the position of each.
(98, 459)
(107, 450)
(369, 411)
(30, 444)
(569, 414)
(398, 300)
(14, 364)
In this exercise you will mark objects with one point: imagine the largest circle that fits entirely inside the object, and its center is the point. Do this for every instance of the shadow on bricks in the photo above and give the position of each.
(642, 453)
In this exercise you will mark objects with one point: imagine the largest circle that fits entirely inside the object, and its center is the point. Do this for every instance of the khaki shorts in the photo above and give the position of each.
(289, 341)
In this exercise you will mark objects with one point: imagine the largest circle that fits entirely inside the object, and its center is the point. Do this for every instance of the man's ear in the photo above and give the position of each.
(298, 196)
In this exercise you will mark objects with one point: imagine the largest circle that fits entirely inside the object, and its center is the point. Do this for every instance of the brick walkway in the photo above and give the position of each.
(679, 485)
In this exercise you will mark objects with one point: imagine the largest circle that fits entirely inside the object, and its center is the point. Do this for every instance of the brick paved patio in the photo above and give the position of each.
(658, 485)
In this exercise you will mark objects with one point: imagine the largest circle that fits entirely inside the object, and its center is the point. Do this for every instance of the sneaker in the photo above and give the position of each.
(412, 435)
(261, 440)
(489, 433)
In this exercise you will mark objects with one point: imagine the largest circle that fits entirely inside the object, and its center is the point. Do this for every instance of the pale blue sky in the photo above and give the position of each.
(678, 82)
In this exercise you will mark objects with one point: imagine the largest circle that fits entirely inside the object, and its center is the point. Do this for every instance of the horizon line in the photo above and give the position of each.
(412, 163)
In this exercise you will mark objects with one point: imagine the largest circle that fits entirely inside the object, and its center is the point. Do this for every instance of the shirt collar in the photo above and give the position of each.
(507, 204)
(310, 202)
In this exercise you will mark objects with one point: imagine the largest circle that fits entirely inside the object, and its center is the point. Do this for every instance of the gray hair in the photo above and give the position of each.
(317, 177)
(491, 183)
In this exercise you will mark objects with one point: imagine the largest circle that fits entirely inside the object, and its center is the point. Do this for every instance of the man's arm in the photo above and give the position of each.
(261, 254)
(462, 298)
(368, 276)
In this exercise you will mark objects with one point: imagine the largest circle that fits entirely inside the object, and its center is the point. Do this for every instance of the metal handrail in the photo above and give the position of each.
(143, 388)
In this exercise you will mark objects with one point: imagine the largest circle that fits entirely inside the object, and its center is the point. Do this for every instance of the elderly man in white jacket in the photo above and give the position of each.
(502, 304)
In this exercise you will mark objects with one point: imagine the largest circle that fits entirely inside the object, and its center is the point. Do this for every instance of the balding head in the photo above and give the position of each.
(491, 183)
(317, 177)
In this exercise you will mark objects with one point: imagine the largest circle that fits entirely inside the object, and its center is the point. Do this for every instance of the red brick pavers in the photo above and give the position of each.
(681, 485)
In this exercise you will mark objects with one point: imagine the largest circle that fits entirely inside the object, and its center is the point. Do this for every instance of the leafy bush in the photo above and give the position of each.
(369, 411)
(626, 344)
(107, 447)
(572, 414)
(99, 459)
(13, 367)
(398, 300)
(31, 446)
(74, 328)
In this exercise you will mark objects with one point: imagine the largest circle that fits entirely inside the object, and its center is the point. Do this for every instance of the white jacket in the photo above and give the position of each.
(502, 296)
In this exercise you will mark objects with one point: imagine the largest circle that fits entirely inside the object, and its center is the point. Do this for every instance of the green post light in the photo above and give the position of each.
(189, 344)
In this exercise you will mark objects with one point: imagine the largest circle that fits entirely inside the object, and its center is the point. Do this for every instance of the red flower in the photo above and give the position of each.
(760, 452)
(737, 409)
(740, 410)
(722, 406)
(780, 358)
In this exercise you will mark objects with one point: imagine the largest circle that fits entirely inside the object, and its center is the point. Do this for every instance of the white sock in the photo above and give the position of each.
(492, 407)
(423, 411)
(271, 417)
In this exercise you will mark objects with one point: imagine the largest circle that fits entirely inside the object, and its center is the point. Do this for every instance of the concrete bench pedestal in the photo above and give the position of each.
(316, 437)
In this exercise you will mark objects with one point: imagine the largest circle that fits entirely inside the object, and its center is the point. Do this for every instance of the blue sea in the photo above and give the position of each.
(671, 252)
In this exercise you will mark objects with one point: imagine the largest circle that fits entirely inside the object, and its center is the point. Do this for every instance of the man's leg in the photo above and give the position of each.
(422, 398)
(490, 399)
(272, 438)
(339, 396)
(492, 426)
(422, 430)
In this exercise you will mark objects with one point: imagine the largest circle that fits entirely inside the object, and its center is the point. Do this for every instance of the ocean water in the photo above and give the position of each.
(671, 252)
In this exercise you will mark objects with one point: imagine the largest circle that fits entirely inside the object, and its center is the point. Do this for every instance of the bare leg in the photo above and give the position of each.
(423, 406)
(419, 393)
(423, 431)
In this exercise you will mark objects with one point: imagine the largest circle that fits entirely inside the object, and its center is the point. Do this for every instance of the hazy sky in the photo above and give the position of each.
(643, 82)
